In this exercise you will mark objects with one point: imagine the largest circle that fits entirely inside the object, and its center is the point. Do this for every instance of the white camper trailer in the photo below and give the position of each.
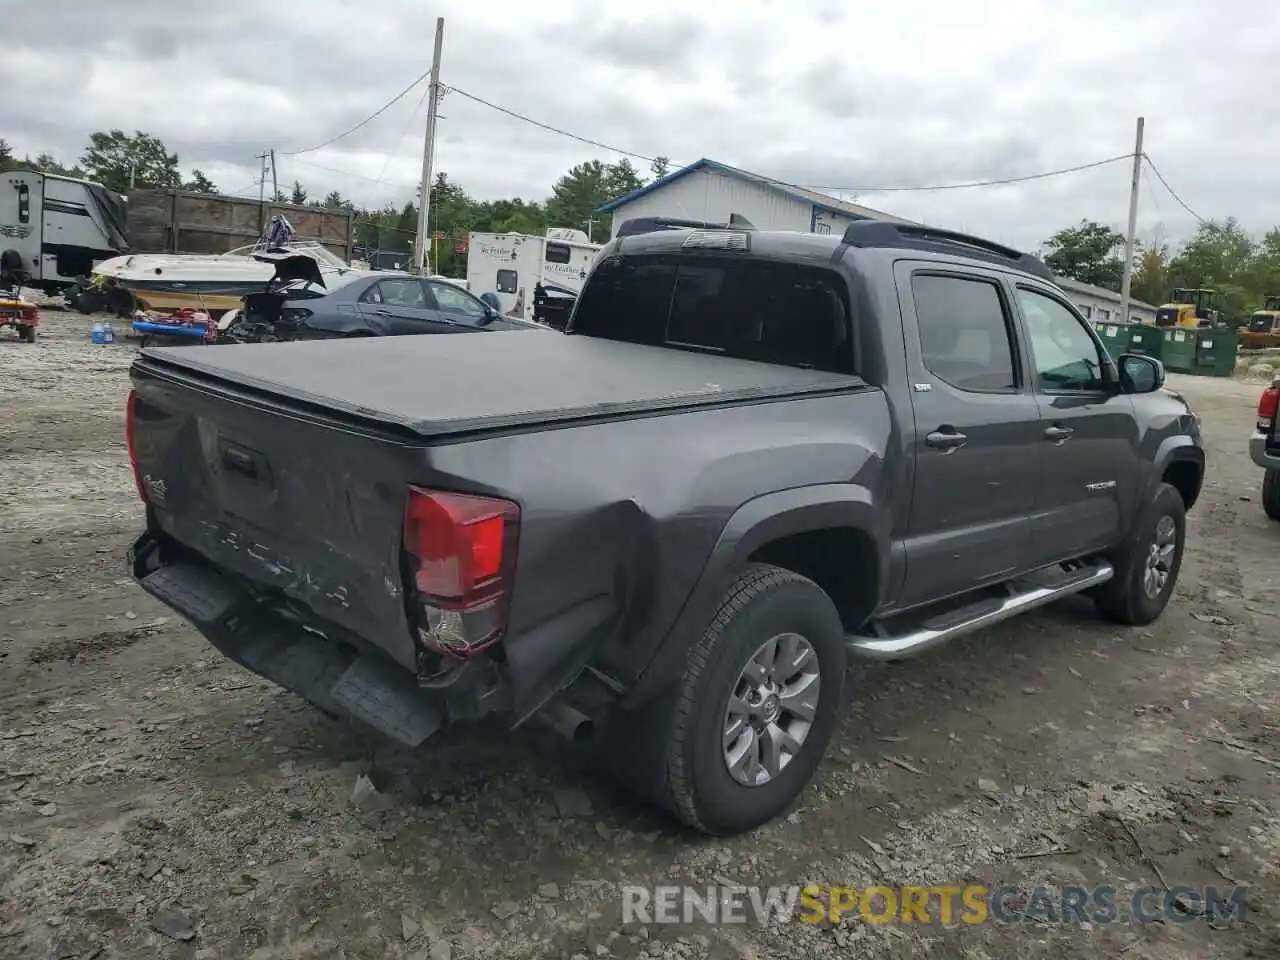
(512, 264)
(53, 229)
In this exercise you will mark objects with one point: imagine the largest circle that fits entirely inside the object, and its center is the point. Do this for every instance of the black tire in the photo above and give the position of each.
(1271, 494)
(26, 333)
(1125, 599)
(692, 778)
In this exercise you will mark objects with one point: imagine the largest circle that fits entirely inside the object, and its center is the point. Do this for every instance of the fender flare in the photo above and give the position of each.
(755, 523)
(1178, 449)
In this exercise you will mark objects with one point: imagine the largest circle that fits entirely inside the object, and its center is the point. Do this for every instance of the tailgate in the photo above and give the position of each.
(305, 508)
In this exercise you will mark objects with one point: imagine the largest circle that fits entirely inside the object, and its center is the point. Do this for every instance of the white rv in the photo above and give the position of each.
(511, 265)
(53, 229)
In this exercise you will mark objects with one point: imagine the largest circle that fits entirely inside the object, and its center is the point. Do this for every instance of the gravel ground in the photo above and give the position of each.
(157, 801)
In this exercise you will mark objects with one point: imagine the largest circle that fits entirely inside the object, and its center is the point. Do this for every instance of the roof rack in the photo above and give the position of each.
(638, 225)
(882, 233)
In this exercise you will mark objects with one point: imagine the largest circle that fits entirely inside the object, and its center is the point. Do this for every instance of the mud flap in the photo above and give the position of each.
(365, 687)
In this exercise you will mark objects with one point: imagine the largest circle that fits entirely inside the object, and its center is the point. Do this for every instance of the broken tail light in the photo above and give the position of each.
(1267, 405)
(130, 436)
(461, 551)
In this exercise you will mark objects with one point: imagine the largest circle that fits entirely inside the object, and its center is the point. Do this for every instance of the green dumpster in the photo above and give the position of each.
(1114, 336)
(1146, 340)
(1179, 350)
(1216, 350)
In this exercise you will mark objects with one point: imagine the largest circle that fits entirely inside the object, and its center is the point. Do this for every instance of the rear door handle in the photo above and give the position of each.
(946, 440)
(382, 313)
(1058, 434)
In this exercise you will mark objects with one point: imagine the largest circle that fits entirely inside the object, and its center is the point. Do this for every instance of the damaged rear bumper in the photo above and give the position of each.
(337, 677)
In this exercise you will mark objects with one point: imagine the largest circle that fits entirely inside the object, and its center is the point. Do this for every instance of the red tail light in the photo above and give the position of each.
(1267, 405)
(462, 555)
(130, 430)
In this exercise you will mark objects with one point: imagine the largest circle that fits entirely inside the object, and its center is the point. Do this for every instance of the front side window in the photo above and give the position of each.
(1065, 356)
(24, 203)
(964, 332)
(558, 253)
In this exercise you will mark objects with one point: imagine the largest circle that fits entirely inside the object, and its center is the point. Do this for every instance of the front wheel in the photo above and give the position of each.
(26, 333)
(1271, 494)
(1147, 566)
(757, 704)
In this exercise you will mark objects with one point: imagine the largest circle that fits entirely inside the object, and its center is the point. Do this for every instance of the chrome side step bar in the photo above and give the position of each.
(983, 613)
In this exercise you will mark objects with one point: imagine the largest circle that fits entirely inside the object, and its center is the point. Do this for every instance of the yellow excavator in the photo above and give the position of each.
(1264, 325)
(1190, 307)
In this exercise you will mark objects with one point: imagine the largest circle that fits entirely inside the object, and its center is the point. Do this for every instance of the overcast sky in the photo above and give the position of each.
(816, 92)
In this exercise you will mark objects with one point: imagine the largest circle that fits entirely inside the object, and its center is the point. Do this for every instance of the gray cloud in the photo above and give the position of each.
(817, 93)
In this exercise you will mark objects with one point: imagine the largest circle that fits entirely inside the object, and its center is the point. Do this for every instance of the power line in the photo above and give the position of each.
(547, 126)
(974, 183)
(373, 116)
(1182, 203)
(842, 189)
(403, 133)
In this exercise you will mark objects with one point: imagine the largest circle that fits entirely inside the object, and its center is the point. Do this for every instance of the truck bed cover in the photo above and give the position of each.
(442, 386)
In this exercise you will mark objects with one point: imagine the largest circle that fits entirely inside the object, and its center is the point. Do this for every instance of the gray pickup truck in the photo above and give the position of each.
(751, 455)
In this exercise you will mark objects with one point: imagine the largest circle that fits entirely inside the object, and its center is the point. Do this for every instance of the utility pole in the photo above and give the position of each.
(428, 149)
(590, 222)
(132, 169)
(1133, 224)
(275, 184)
(262, 174)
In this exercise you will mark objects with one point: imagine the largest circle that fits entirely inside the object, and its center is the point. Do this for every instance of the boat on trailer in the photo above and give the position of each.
(214, 283)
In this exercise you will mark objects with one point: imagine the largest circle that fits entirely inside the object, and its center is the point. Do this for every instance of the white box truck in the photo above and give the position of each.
(512, 265)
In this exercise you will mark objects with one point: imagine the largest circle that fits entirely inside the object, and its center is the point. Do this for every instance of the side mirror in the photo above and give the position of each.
(1139, 374)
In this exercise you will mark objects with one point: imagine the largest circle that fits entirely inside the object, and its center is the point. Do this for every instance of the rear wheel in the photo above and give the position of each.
(26, 333)
(746, 726)
(1147, 566)
(1271, 494)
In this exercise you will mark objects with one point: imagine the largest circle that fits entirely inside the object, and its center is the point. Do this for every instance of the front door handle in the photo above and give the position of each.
(1058, 434)
(946, 440)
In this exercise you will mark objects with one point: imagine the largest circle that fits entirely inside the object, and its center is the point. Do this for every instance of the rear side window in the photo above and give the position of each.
(507, 281)
(557, 253)
(964, 332)
(753, 310)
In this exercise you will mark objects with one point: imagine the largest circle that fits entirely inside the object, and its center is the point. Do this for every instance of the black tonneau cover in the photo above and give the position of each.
(436, 386)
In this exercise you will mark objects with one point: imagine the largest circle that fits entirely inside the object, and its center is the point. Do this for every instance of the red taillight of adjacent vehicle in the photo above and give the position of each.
(1267, 405)
(461, 551)
(130, 436)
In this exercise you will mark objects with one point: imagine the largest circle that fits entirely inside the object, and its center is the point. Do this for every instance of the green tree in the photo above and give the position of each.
(299, 194)
(199, 183)
(7, 162)
(117, 161)
(333, 200)
(48, 163)
(1151, 274)
(579, 193)
(1221, 257)
(1087, 253)
(660, 167)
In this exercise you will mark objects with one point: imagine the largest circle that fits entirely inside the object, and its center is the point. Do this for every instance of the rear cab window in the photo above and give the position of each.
(763, 310)
(966, 334)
